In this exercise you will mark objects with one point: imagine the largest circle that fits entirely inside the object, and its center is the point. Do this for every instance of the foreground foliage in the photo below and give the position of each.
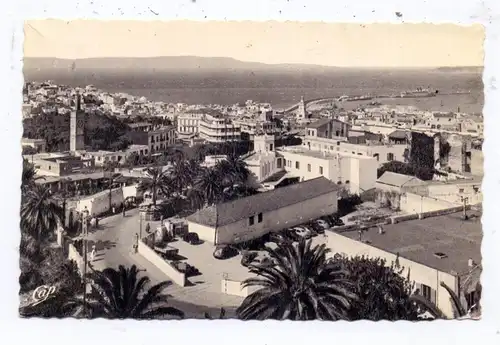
(301, 285)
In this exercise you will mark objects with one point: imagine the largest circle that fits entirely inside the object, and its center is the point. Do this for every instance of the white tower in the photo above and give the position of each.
(301, 111)
(264, 143)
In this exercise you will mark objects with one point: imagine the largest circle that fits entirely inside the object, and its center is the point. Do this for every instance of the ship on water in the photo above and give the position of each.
(419, 92)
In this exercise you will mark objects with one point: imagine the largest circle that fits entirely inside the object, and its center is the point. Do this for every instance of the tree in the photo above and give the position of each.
(28, 175)
(420, 172)
(234, 169)
(431, 308)
(301, 285)
(120, 294)
(384, 294)
(40, 213)
(209, 183)
(156, 180)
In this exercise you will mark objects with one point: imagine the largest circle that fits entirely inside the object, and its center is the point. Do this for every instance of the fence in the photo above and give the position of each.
(76, 257)
(235, 288)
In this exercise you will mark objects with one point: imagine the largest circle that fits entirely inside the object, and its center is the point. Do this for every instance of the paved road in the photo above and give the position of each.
(114, 241)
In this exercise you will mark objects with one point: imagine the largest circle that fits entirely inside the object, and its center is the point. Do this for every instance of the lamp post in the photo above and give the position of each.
(465, 200)
(85, 215)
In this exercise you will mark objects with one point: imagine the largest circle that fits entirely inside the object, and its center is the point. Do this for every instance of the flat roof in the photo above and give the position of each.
(321, 154)
(418, 240)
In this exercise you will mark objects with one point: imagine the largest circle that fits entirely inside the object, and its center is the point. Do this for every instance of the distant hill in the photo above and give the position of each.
(160, 63)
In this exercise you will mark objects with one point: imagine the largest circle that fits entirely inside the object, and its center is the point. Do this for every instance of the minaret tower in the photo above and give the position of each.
(77, 127)
(301, 112)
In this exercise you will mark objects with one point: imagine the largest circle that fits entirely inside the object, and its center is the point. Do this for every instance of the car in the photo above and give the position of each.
(278, 237)
(292, 235)
(191, 238)
(309, 228)
(248, 258)
(223, 252)
(302, 232)
(323, 224)
(317, 227)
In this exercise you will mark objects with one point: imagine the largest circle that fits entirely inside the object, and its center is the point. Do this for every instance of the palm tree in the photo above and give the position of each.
(434, 310)
(29, 175)
(120, 294)
(238, 169)
(40, 213)
(183, 174)
(156, 180)
(209, 183)
(301, 285)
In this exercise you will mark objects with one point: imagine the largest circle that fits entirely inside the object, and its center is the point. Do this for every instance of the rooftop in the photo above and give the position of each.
(231, 212)
(319, 154)
(419, 240)
(398, 180)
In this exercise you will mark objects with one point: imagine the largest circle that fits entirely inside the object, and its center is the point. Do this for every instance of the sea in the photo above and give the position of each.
(280, 88)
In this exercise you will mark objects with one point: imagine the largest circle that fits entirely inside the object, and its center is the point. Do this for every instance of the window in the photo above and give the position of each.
(461, 190)
(259, 218)
(376, 155)
(251, 220)
(426, 292)
(390, 156)
(309, 167)
(297, 165)
(321, 170)
(476, 190)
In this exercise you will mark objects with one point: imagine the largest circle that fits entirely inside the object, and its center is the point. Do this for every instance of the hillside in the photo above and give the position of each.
(158, 63)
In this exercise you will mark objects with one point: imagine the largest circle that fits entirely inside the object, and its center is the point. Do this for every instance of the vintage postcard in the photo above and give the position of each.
(251, 170)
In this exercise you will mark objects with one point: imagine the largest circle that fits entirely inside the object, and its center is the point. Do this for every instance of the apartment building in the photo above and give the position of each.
(255, 127)
(38, 144)
(157, 140)
(187, 123)
(215, 129)
(102, 157)
(357, 172)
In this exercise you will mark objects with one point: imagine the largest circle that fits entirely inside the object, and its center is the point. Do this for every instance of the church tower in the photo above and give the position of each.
(264, 143)
(77, 127)
(301, 111)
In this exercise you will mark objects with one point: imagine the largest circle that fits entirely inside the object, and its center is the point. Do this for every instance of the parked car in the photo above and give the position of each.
(322, 224)
(185, 268)
(278, 237)
(223, 252)
(191, 238)
(292, 235)
(248, 258)
(309, 228)
(302, 232)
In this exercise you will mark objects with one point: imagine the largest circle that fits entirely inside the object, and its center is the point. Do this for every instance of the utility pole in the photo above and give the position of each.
(465, 200)
(85, 215)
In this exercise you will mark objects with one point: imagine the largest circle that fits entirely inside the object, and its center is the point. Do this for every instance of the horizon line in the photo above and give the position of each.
(246, 61)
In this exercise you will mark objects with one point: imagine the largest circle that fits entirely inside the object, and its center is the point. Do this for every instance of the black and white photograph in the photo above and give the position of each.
(213, 170)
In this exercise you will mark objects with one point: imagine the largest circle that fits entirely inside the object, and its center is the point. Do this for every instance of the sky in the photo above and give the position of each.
(329, 44)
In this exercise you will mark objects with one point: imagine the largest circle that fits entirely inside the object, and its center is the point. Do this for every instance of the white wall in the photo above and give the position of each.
(99, 203)
(277, 220)
(235, 288)
(419, 273)
(414, 203)
(149, 254)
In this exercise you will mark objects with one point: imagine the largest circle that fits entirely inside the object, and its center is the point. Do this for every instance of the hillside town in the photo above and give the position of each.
(217, 199)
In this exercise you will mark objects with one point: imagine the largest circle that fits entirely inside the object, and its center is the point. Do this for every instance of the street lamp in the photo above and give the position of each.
(465, 200)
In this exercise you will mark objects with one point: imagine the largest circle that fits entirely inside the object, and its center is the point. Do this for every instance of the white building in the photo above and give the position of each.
(188, 123)
(218, 129)
(101, 157)
(357, 172)
(264, 161)
(429, 251)
(254, 216)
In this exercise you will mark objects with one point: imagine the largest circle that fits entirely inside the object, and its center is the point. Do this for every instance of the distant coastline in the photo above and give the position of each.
(280, 87)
